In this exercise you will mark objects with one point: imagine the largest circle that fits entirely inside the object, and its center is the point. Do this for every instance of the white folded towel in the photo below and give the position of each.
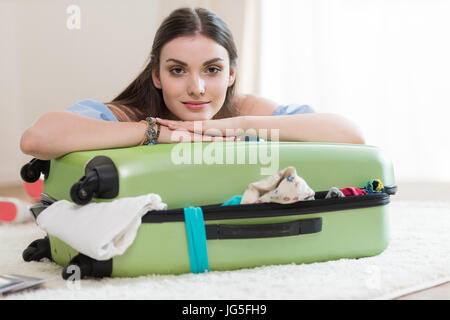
(99, 230)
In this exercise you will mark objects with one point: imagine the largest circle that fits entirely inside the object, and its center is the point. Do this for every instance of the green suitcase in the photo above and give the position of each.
(204, 176)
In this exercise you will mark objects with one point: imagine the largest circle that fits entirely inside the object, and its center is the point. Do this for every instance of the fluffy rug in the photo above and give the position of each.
(418, 257)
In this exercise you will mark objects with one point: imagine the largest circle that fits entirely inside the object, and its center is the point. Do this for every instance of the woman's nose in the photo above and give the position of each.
(196, 86)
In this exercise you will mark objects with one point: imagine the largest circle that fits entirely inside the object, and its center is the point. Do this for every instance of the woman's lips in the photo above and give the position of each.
(196, 106)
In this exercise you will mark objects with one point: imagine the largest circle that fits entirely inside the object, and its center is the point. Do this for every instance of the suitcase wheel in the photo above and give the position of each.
(82, 266)
(31, 171)
(101, 180)
(81, 195)
(37, 250)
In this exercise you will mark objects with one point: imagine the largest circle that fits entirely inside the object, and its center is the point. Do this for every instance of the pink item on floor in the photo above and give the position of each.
(14, 210)
(8, 211)
(34, 189)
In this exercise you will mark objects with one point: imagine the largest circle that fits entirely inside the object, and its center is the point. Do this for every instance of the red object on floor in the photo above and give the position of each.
(8, 211)
(353, 192)
(34, 189)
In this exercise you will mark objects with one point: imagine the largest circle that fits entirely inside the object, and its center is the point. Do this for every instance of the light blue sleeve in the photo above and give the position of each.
(293, 109)
(93, 109)
(287, 110)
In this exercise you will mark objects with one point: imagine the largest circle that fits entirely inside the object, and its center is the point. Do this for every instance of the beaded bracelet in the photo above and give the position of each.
(151, 135)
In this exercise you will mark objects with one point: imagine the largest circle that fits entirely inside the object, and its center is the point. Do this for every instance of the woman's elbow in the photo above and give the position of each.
(350, 132)
(31, 144)
(26, 145)
(34, 139)
(357, 140)
(358, 135)
(352, 137)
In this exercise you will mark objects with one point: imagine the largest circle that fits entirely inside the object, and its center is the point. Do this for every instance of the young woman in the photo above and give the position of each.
(189, 86)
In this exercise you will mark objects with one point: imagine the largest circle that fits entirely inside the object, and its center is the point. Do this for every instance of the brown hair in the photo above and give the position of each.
(142, 97)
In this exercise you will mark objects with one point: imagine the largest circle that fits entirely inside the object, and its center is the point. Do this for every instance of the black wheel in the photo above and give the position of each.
(37, 250)
(30, 173)
(82, 266)
(79, 195)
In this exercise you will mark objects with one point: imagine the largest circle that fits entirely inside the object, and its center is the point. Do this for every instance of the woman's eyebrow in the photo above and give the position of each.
(185, 64)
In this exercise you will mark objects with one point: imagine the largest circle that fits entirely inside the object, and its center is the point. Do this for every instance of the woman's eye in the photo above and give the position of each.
(174, 69)
(178, 71)
(214, 70)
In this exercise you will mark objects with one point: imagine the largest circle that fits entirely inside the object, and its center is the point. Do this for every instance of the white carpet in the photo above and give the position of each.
(418, 257)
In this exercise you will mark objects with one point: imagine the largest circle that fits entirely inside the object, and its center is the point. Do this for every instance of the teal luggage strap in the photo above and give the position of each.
(195, 229)
(196, 234)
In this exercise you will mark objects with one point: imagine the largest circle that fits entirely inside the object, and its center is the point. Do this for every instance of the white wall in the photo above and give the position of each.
(45, 66)
(383, 64)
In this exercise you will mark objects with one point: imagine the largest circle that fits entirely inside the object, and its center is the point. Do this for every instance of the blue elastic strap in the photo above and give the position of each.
(195, 229)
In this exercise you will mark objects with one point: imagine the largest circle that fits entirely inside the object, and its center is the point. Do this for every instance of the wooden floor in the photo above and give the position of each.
(407, 191)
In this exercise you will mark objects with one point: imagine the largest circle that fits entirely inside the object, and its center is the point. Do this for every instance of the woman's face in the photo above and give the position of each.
(194, 69)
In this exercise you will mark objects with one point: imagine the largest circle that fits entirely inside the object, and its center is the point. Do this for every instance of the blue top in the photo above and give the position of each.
(93, 109)
(293, 109)
(99, 111)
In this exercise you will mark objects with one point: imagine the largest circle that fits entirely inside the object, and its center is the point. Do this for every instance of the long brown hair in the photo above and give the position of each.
(141, 95)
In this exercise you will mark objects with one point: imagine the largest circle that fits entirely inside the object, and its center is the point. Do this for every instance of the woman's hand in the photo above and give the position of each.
(167, 135)
(227, 127)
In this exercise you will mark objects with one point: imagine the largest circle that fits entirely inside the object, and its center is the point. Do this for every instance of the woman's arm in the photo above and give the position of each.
(57, 133)
(317, 127)
(255, 113)
(312, 127)
(60, 132)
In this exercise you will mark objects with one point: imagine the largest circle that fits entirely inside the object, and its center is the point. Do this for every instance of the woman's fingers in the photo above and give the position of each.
(217, 128)
(198, 126)
(216, 139)
(186, 136)
(164, 122)
(205, 138)
(175, 125)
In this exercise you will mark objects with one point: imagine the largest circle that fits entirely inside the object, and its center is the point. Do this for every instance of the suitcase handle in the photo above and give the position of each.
(273, 230)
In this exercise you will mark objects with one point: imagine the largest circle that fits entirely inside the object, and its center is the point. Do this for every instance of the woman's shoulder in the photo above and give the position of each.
(293, 108)
(92, 109)
(123, 113)
(253, 105)
(109, 111)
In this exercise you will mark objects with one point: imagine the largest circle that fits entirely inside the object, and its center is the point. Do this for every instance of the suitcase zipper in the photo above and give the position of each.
(262, 210)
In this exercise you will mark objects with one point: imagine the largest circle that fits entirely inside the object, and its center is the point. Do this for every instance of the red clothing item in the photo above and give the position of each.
(353, 192)
(34, 189)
